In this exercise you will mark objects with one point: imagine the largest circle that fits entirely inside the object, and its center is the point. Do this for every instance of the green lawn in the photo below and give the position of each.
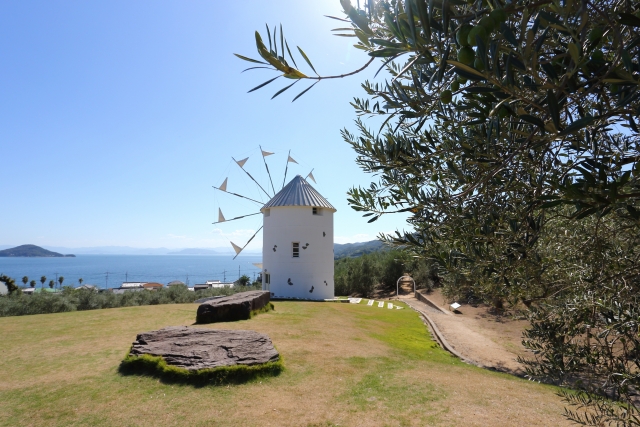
(345, 364)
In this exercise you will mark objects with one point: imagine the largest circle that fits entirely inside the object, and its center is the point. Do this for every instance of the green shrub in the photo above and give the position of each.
(267, 308)
(70, 299)
(361, 275)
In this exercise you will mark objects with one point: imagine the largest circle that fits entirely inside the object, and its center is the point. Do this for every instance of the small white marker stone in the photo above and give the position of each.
(370, 303)
(455, 306)
(381, 304)
(390, 306)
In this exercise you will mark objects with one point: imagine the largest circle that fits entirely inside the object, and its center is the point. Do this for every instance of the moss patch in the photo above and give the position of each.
(157, 367)
(267, 308)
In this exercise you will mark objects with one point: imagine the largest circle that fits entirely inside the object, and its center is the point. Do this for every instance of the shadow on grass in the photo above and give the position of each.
(157, 367)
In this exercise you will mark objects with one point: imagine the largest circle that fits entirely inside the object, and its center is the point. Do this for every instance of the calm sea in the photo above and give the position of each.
(111, 270)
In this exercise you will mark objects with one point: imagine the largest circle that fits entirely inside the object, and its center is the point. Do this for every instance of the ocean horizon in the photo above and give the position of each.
(109, 271)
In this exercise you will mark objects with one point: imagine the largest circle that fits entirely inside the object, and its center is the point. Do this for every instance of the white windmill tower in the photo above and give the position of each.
(297, 248)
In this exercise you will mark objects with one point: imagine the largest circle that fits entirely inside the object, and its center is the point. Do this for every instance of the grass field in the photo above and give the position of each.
(345, 364)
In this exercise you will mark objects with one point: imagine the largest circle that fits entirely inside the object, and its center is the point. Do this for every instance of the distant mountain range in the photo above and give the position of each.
(31, 251)
(340, 250)
(353, 250)
(199, 251)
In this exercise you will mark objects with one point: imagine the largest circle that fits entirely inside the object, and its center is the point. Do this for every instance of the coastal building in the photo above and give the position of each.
(176, 283)
(132, 285)
(297, 248)
(31, 291)
(129, 287)
(212, 284)
(152, 286)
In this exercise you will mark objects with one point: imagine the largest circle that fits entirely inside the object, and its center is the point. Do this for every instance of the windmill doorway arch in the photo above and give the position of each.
(398, 284)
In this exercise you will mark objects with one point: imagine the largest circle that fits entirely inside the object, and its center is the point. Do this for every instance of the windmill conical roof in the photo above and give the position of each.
(298, 192)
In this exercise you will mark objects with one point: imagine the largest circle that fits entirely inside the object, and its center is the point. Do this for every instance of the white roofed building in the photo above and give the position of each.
(132, 285)
(212, 284)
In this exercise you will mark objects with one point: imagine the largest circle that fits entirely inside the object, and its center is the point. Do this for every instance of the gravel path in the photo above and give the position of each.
(468, 338)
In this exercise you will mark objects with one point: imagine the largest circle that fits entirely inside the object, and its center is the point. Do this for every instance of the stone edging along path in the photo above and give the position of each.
(438, 335)
(471, 346)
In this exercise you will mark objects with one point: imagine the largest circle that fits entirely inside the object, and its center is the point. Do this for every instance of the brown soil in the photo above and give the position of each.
(485, 339)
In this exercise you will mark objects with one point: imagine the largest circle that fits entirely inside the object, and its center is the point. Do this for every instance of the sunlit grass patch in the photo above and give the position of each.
(346, 364)
(411, 339)
(382, 384)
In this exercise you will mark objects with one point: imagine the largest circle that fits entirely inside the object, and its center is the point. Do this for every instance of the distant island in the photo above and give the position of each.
(31, 251)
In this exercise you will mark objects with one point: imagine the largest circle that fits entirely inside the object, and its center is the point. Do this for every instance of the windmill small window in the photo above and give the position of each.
(267, 278)
(295, 246)
(317, 211)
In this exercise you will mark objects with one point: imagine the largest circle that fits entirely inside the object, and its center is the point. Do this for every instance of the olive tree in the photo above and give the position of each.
(506, 124)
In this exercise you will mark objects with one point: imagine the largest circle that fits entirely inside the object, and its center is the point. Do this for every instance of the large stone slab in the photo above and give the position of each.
(234, 307)
(199, 348)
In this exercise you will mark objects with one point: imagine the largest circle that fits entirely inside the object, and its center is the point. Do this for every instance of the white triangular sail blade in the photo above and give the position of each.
(236, 248)
(266, 153)
(220, 216)
(310, 176)
(242, 162)
(291, 160)
(223, 187)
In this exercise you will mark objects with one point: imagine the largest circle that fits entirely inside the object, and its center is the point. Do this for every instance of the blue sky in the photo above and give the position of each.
(117, 117)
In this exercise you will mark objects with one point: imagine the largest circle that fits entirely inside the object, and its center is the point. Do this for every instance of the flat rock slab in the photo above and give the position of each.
(201, 300)
(234, 307)
(199, 348)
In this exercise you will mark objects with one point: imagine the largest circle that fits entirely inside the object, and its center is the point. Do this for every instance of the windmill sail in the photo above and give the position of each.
(237, 195)
(233, 219)
(238, 249)
(241, 162)
(286, 169)
(265, 154)
(310, 176)
(223, 187)
(220, 216)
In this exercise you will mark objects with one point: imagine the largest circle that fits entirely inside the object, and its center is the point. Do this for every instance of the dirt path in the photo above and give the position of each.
(480, 338)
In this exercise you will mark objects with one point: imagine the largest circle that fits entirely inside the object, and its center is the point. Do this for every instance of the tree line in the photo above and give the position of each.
(12, 287)
(379, 271)
(70, 299)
